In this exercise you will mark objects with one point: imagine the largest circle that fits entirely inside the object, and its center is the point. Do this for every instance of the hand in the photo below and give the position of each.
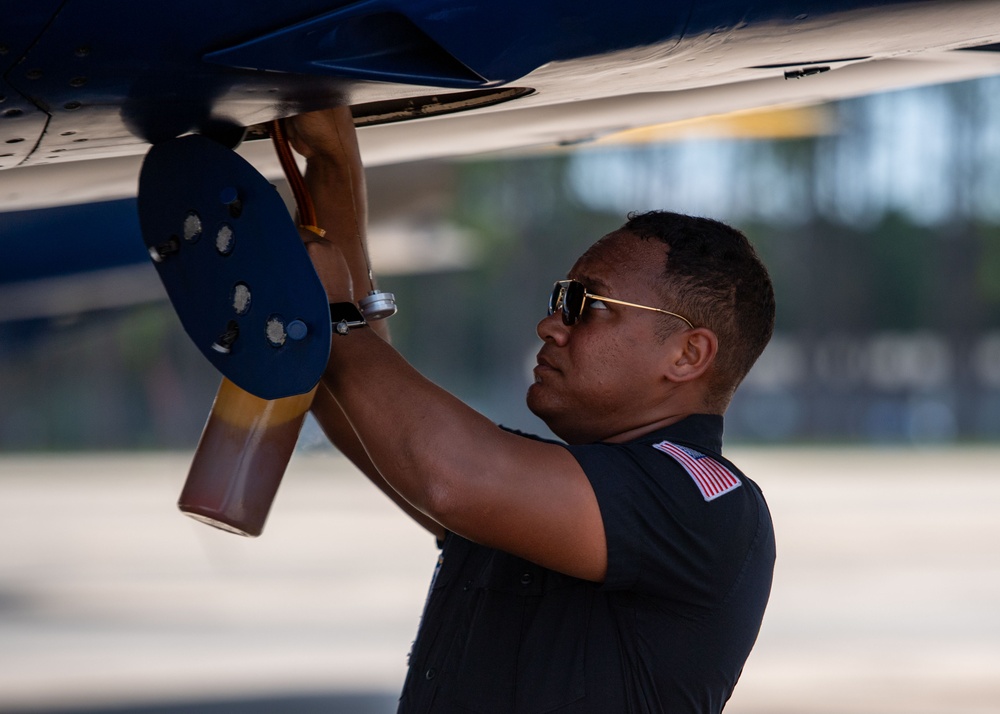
(323, 134)
(331, 266)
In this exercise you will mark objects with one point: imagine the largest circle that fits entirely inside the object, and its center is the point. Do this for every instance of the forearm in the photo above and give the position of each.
(338, 429)
(439, 454)
(335, 179)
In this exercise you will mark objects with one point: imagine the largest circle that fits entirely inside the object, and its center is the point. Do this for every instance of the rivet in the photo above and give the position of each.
(80, 140)
(68, 133)
(72, 106)
(230, 197)
(77, 81)
(14, 141)
(33, 73)
(11, 113)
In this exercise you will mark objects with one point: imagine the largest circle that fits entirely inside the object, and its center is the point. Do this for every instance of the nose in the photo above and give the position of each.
(551, 328)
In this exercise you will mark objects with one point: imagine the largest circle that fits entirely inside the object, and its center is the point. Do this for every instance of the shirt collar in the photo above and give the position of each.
(703, 431)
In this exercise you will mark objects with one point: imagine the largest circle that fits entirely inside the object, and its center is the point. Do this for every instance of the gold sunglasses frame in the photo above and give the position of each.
(563, 285)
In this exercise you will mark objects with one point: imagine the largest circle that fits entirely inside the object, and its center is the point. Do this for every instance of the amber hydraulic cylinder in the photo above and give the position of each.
(241, 458)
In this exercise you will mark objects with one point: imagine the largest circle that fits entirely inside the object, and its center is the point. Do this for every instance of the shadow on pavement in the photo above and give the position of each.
(357, 703)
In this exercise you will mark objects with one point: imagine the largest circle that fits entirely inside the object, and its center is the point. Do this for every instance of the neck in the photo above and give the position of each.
(635, 433)
(622, 426)
(679, 404)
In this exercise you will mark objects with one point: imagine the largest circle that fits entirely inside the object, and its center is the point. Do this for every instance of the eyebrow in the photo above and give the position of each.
(593, 284)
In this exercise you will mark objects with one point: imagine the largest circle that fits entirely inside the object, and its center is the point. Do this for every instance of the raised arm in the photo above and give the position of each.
(336, 181)
(453, 465)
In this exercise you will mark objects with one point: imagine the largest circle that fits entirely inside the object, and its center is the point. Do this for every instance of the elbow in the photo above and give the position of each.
(441, 501)
(462, 507)
(451, 491)
(456, 499)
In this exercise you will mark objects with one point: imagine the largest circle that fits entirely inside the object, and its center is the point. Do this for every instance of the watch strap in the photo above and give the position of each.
(345, 316)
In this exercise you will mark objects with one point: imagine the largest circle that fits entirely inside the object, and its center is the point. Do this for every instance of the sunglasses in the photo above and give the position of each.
(570, 296)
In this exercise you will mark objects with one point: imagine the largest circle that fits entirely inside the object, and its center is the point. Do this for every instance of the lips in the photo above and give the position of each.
(545, 365)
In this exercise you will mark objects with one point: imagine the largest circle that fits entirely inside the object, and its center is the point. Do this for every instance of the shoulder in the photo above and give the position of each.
(675, 508)
(691, 474)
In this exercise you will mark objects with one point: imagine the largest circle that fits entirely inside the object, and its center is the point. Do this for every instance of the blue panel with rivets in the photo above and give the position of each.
(22, 123)
(21, 126)
(234, 267)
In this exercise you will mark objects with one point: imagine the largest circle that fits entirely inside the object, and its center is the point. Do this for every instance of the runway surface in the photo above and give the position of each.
(886, 597)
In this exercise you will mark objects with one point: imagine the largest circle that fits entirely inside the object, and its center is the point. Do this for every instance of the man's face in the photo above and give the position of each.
(602, 376)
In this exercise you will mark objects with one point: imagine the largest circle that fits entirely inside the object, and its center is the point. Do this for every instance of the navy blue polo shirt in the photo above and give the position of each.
(690, 559)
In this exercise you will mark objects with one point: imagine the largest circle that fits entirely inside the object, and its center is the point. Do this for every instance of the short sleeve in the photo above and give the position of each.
(664, 535)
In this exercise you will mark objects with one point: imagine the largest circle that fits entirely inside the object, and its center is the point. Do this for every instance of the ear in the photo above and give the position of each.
(692, 353)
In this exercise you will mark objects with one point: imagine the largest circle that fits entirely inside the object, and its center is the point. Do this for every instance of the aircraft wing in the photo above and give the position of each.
(88, 86)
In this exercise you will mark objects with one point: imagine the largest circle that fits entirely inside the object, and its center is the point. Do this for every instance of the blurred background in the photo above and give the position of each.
(872, 423)
(878, 217)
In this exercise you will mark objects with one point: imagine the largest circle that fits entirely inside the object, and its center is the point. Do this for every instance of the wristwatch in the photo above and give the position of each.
(345, 316)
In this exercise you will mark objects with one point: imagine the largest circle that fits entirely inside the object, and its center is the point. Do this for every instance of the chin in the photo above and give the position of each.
(551, 416)
(535, 399)
(537, 406)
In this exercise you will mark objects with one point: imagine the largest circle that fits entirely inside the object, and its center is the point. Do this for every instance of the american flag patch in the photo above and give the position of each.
(712, 478)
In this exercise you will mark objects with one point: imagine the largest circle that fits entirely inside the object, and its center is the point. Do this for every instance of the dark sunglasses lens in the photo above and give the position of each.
(567, 296)
(572, 302)
(555, 299)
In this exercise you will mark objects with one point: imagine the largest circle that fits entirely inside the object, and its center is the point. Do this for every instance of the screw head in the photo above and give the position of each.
(297, 330)
(228, 195)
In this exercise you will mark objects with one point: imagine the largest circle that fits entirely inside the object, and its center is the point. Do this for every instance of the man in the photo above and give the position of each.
(626, 570)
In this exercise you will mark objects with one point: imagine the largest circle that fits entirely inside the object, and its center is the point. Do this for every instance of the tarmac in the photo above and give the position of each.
(886, 597)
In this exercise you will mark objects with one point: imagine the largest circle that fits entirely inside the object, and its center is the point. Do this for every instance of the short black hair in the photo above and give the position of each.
(715, 278)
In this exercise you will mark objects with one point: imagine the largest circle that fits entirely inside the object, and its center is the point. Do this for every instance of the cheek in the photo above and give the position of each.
(630, 362)
(607, 363)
